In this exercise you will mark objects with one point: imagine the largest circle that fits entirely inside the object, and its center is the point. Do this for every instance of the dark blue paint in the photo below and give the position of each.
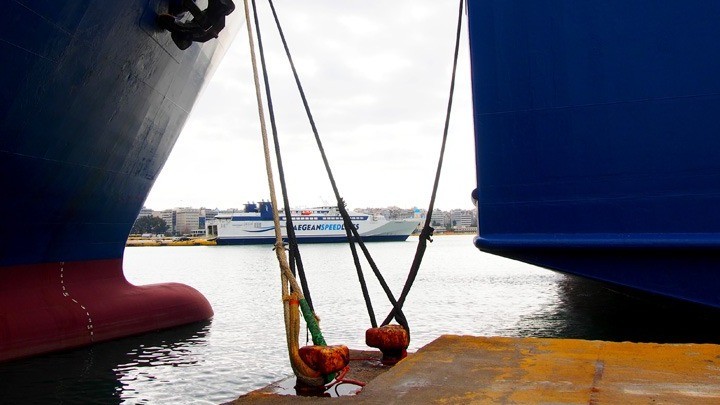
(597, 139)
(91, 103)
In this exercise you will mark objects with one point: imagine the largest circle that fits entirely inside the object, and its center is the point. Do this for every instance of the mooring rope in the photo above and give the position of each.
(293, 300)
(295, 258)
(427, 231)
(351, 232)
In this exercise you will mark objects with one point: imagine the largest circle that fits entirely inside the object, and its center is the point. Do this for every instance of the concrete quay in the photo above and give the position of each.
(504, 370)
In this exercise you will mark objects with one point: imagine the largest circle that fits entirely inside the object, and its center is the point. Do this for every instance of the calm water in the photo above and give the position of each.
(459, 290)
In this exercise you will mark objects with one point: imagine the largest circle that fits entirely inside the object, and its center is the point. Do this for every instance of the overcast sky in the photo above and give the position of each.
(377, 77)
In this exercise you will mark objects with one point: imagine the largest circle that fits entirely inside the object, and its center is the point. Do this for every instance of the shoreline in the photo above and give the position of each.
(143, 242)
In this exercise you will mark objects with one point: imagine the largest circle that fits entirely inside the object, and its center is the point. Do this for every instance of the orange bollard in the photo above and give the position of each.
(325, 359)
(392, 340)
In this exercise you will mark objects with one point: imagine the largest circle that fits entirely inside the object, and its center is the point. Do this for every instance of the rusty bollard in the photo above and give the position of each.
(392, 340)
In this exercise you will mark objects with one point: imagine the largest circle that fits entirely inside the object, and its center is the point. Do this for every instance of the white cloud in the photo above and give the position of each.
(359, 25)
(380, 67)
(377, 76)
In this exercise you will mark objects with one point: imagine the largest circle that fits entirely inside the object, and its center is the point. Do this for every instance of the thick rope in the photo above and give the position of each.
(427, 231)
(399, 315)
(291, 301)
(295, 258)
(350, 230)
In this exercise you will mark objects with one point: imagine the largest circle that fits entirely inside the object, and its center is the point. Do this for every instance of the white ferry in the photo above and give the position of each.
(312, 225)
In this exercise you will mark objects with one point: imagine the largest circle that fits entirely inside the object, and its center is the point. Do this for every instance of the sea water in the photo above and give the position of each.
(459, 290)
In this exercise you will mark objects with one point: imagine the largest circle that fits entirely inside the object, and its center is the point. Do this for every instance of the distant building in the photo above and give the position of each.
(193, 221)
(169, 217)
(390, 212)
(463, 220)
(145, 212)
(440, 219)
(187, 220)
(206, 215)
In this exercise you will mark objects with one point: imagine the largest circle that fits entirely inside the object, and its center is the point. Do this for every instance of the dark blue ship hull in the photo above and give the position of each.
(92, 99)
(598, 139)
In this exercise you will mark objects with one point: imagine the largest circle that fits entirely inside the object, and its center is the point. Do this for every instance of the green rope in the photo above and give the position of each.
(312, 323)
(315, 332)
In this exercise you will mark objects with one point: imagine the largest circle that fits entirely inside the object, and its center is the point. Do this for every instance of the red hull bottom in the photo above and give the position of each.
(56, 306)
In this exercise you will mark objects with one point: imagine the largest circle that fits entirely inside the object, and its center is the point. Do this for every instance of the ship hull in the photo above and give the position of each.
(370, 231)
(58, 306)
(596, 140)
(90, 108)
(255, 225)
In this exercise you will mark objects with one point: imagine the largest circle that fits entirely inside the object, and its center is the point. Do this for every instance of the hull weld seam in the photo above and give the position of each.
(66, 293)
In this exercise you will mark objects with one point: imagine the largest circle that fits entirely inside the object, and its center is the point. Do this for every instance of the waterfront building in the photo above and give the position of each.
(187, 220)
(192, 221)
(169, 217)
(439, 219)
(463, 220)
(145, 212)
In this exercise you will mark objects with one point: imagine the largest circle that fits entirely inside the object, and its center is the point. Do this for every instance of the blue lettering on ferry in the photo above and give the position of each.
(322, 227)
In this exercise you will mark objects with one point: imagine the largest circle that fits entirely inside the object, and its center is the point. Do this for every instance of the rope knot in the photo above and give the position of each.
(293, 299)
(427, 233)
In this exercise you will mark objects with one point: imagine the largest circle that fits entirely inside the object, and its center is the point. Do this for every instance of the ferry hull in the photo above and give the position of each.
(310, 239)
(91, 105)
(255, 226)
(596, 139)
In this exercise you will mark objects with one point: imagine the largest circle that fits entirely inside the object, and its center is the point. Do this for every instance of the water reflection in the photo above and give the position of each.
(459, 290)
(588, 309)
(100, 373)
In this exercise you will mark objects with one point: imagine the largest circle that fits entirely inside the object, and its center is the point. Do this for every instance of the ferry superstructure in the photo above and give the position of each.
(312, 225)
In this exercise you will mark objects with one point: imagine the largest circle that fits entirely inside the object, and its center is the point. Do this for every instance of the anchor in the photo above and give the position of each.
(204, 26)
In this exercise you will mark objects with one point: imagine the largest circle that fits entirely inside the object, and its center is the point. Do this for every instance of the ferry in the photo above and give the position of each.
(312, 225)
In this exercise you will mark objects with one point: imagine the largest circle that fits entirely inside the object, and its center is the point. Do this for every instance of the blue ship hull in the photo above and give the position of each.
(92, 99)
(597, 139)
